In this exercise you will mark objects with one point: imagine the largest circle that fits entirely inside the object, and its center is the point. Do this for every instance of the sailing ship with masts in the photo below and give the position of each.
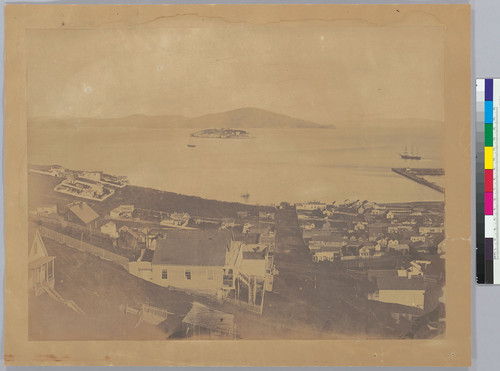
(410, 155)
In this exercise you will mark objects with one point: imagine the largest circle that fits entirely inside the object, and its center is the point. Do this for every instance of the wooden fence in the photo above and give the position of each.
(61, 223)
(83, 246)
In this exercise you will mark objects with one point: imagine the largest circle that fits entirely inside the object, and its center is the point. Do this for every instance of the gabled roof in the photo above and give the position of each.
(211, 319)
(84, 212)
(37, 247)
(130, 231)
(110, 224)
(37, 253)
(40, 261)
(193, 248)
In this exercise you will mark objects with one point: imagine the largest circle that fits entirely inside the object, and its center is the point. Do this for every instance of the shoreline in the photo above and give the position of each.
(141, 191)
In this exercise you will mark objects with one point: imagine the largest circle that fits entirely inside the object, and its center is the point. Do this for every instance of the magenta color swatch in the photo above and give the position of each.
(488, 203)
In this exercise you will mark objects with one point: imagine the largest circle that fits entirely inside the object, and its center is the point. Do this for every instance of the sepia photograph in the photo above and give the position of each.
(185, 185)
(189, 177)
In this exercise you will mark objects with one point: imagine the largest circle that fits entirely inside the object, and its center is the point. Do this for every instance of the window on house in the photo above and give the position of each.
(210, 274)
(187, 274)
(164, 274)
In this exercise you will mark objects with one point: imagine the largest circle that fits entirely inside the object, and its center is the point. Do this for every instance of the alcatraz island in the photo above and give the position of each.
(222, 134)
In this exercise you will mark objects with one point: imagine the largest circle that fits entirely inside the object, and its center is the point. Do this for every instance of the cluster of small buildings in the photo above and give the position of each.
(96, 176)
(117, 181)
(366, 230)
(368, 234)
(84, 188)
(79, 213)
(90, 185)
(405, 290)
(234, 262)
(82, 216)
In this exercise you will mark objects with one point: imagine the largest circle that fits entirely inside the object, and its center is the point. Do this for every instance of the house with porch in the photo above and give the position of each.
(40, 266)
(209, 262)
(258, 264)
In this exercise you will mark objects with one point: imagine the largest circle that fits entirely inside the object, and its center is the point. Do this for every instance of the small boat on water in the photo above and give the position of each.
(410, 156)
(191, 145)
(246, 195)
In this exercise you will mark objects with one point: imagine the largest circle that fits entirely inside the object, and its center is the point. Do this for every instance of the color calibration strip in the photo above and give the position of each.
(487, 105)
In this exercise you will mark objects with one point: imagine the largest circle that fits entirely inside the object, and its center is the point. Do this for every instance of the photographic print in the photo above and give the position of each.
(192, 177)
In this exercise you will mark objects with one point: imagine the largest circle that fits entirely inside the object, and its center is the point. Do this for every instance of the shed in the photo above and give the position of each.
(81, 213)
(202, 321)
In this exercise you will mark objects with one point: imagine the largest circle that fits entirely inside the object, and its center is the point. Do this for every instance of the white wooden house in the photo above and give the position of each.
(110, 229)
(327, 254)
(122, 211)
(258, 264)
(209, 262)
(40, 266)
(400, 290)
(191, 260)
(364, 252)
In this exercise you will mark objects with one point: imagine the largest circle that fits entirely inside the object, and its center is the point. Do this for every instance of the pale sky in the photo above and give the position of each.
(316, 72)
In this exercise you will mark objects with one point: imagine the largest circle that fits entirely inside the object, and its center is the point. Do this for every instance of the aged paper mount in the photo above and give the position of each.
(345, 247)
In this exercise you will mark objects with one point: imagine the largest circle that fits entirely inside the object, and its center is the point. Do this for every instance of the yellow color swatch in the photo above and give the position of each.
(488, 157)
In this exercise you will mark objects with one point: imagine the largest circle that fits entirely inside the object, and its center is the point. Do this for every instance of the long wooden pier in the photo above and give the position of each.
(416, 174)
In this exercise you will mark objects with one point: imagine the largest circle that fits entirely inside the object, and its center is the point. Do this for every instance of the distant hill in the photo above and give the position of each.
(239, 118)
(248, 118)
